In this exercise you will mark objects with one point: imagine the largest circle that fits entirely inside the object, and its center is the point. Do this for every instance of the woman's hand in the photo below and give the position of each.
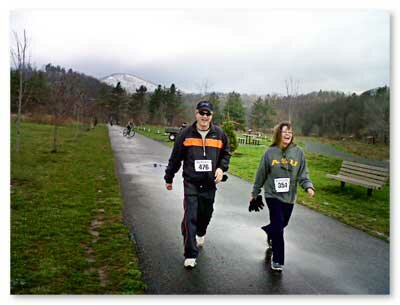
(310, 192)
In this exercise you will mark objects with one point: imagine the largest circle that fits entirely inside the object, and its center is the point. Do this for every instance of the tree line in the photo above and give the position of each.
(61, 95)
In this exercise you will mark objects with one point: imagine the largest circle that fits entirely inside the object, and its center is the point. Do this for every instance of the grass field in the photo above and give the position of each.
(67, 232)
(350, 205)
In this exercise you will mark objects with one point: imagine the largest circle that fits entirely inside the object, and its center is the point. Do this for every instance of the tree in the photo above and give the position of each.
(229, 128)
(234, 109)
(261, 114)
(173, 104)
(138, 105)
(292, 90)
(204, 86)
(156, 111)
(19, 54)
(118, 102)
(218, 116)
(58, 105)
(377, 115)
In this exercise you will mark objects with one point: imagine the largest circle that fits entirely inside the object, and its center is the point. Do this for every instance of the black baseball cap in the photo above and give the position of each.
(204, 105)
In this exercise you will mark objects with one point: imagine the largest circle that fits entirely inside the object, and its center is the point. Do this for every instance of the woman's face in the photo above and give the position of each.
(287, 135)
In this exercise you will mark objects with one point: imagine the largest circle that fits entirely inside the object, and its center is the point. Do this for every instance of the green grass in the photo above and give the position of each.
(155, 132)
(350, 205)
(60, 202)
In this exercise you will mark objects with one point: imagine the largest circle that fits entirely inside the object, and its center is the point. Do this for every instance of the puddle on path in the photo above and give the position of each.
(154, 168)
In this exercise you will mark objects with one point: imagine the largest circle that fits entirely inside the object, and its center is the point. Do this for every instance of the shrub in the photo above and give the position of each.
(229, 129)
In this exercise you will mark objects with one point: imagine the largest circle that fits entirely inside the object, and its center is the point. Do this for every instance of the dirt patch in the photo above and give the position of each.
(90, 254)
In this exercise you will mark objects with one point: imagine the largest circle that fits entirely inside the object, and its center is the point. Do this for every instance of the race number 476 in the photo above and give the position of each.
(202, 165)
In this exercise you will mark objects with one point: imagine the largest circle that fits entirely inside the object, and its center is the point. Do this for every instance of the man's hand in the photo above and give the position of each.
(168, 186)
(310, 192)
(218, 175)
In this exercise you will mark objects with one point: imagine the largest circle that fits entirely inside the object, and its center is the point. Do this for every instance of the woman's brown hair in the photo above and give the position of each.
(277, 136)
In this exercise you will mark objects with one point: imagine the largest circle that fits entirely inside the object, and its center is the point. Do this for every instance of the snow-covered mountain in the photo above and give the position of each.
(128, 81)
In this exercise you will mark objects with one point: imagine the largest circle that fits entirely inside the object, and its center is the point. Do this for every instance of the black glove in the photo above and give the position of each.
(224, 178)
(256, 204)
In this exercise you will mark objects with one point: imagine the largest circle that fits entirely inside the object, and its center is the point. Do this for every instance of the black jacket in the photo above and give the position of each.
(188, 147)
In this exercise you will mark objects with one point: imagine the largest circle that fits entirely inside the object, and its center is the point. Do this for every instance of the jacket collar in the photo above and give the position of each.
(212, 127)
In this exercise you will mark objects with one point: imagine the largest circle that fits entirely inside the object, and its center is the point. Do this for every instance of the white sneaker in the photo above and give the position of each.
(190, 263)
(275, 266)
(200, 240)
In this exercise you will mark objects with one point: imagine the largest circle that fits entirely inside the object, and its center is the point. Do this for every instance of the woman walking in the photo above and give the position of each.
(281, 168)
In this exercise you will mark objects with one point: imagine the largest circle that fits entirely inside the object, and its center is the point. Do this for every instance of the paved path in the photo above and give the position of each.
(324, 256)
(329, 150)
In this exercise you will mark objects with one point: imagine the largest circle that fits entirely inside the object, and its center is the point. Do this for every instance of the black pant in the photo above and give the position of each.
(198, 205)
(279, 215)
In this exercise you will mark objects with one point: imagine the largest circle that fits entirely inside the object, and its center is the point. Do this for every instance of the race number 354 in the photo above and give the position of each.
(282, 185)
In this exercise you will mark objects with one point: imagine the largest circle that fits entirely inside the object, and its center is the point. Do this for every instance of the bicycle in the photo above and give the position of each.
(128, 134)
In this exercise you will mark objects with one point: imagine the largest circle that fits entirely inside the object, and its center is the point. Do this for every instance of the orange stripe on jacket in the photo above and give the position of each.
(214, 143)
(199, 142)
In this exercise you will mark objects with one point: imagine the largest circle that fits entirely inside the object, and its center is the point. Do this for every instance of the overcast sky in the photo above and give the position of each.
(246, 50)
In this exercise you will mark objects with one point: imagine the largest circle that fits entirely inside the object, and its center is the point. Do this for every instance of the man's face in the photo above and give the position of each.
(203, 118)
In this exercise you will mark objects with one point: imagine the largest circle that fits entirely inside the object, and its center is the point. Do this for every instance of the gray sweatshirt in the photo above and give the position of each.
(280, 171)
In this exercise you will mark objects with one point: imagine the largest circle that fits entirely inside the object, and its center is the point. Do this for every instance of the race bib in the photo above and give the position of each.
(202, 165)
(282, 185)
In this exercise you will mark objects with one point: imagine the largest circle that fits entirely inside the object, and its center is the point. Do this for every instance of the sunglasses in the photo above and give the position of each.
(207, 113)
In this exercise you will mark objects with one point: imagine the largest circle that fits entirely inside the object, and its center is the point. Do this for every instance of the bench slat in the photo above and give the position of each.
(367, 180)
(365, 170)
(354, 181)
(376, 168)
(362, 175)
(371, 177)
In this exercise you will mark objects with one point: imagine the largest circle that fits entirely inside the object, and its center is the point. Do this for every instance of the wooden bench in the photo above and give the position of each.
(371, 177)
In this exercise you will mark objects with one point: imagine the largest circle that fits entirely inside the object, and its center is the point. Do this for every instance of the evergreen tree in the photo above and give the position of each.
(138, 106)
(261, 116)
(156, 111)
(234, 110)
(173, 104)
(118, 105)
(218, 116)
(229, 128)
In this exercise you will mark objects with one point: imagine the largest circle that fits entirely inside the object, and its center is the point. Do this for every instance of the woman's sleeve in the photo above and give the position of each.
(261, 175)
(303, 176)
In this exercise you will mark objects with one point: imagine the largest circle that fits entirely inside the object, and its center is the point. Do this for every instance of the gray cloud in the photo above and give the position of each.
(247, 51)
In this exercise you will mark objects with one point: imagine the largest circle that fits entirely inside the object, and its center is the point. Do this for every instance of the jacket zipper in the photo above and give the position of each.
(204, 143)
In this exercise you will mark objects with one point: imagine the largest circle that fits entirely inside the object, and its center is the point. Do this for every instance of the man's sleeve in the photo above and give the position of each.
(175, 159)
(225, 154)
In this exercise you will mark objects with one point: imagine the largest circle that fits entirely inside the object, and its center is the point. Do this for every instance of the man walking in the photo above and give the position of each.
(204, 150)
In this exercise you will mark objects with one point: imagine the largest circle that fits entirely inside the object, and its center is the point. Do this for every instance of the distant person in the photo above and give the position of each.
(204, 150)
(281, 168)
(130, 126)
(183, 126)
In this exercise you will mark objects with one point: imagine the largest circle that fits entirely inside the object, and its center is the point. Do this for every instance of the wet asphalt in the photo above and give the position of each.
(323, 256)
(329, 150)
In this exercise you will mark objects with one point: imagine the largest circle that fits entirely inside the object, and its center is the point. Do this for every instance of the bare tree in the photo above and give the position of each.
(292, 90)
(204, 87)
(18, 54)
(60, 102)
